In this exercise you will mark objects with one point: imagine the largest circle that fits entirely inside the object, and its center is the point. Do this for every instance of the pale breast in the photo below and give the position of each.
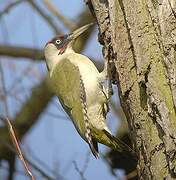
(90, 76)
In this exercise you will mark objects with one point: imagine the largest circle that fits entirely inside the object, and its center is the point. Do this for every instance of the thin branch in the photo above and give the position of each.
(28, 114)
(19, 79)
(18, 149)
(67, 23)
(10, 6)
(11, 161)
(86, 162)
(33, 165)
(81, 173)
(47, 18)
(4, 96)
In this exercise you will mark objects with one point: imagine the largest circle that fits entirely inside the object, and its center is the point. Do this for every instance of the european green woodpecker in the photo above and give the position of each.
(81, 91)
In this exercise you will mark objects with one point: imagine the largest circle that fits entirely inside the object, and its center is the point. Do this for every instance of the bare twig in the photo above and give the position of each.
(81, 173)
(67, 23)
(11, 161)
(19, 79)
(4, 96)
(33, 165)
(10, 6)
(11, 130)
(47, 18)
(18, 149)
(86, 162)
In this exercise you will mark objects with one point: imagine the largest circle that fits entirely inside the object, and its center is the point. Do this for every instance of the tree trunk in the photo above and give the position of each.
(139, 37)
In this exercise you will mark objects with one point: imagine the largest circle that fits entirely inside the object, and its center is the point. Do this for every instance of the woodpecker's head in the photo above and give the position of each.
(60, 44)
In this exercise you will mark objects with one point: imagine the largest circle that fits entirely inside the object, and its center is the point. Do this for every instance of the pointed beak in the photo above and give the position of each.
(79, 31)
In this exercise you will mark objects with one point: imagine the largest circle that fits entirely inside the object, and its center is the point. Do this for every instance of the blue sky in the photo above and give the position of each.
(53, 139)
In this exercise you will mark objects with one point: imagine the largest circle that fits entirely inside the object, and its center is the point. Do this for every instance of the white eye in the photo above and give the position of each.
(58, 41)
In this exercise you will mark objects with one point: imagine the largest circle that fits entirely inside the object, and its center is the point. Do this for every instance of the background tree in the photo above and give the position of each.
(139, 37)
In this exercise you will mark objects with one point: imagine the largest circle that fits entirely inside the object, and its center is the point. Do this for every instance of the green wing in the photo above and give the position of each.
(66, 85)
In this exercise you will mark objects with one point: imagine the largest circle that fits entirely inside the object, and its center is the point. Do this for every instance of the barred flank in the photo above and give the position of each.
(86, 120)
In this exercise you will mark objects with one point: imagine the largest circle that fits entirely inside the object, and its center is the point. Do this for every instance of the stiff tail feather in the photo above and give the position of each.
(119, 145)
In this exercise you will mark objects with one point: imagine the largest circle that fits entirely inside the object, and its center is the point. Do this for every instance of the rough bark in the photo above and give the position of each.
(139, 37)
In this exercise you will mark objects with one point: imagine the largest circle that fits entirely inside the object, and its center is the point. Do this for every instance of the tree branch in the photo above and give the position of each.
(67, 23)
(32, 164)
(18, 148)
(21, 52)
(28, 115)
(46, 17)
(10, 6)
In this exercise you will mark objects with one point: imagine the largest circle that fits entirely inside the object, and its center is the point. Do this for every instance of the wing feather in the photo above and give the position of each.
(69, 87)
